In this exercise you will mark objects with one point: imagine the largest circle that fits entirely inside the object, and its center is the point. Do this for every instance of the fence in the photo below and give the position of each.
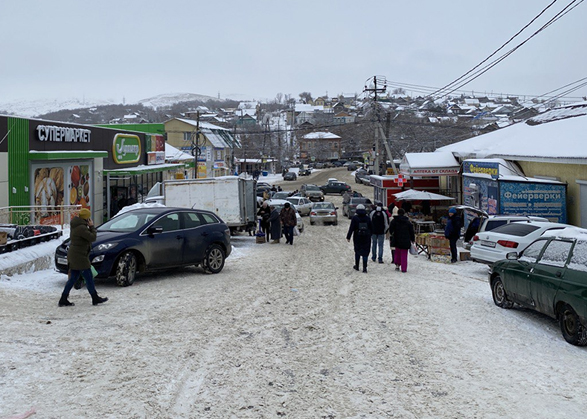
(38, 214)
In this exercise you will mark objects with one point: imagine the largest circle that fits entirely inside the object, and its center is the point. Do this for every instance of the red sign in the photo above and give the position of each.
(399, 180)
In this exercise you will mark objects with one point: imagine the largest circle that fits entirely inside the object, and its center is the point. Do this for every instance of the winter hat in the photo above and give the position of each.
(360, 207)
(84, 214)
(287, 205)
(452, 211)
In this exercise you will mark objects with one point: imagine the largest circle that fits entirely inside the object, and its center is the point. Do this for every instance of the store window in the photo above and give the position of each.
(60, 184)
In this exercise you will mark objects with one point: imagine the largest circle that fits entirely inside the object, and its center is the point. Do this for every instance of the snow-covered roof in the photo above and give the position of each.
(556, 136)
(302, 107)
(321, 136)
(175, 154)
(427, 160)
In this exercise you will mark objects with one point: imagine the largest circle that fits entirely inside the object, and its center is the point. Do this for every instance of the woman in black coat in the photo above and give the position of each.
(360, 229)
(402, 234)
(264, 212)
(274, 220)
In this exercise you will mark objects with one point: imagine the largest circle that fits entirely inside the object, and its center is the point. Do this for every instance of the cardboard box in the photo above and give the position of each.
(438, 241)
(464, 255)
(3, 238)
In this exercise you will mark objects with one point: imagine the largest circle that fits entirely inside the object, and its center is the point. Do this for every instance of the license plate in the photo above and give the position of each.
(487, 243)
(62, 261)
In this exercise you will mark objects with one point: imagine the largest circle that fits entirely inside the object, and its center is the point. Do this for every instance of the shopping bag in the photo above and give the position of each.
(413, 249)
(296, 232)
(94, 272)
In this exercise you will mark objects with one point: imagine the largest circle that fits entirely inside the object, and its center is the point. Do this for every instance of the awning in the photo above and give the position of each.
(141, 170)
(429, 164)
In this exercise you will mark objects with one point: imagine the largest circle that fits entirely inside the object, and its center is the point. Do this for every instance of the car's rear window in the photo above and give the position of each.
(516, 229)
(324, 205)
(493, 224)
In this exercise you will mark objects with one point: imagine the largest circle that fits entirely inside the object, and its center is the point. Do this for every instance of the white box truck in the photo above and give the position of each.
(232, 198)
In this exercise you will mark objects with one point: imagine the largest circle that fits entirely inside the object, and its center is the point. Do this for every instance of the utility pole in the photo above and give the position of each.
(379, 85)
(196, 151)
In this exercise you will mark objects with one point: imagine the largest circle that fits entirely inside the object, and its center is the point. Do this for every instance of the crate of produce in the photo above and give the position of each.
(440, 258)
(434, 250)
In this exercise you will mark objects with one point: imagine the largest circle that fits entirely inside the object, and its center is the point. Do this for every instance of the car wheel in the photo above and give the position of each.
(500, 297)
(573, 331)
(126, 269)
(214, 259)
(312, 223)
(335, 223)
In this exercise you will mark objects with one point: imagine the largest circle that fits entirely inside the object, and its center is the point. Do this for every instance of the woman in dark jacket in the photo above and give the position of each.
(360, 229)
(402, 233)
(274, 220)
(264, 212)
(82, 235)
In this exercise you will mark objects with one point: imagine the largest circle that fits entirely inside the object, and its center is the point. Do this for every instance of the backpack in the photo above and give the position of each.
(363, 230)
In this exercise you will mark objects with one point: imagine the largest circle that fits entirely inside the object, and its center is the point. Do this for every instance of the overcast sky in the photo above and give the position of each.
(110, 49)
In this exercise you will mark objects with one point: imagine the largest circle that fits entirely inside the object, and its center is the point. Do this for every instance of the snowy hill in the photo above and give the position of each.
(169, 99)
(33, 108)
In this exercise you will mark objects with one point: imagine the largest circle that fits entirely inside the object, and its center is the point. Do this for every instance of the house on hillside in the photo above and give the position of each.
(550, 146)
(320, 146)
(215, 145)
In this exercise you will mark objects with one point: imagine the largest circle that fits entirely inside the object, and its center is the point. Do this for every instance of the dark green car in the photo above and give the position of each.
(549, 276)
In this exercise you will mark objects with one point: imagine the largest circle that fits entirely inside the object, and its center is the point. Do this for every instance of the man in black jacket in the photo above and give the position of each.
(452, 232)
(360, 230)
(380, 225)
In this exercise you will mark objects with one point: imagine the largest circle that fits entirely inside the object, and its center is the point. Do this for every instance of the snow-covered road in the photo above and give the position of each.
(285, 331)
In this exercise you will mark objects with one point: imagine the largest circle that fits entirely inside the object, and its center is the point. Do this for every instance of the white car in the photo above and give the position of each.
(279, 204)
(494, 245)
(302, 204)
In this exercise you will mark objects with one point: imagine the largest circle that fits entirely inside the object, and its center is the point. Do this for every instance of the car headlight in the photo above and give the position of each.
(104, 246)
(98, 259)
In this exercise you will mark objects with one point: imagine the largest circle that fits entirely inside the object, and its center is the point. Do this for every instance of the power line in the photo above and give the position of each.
(474, 74)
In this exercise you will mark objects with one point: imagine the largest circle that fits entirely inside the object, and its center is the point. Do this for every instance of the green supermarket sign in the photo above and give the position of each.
(126, 148)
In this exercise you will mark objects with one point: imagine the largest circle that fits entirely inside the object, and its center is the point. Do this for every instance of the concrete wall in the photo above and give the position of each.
(568, 173)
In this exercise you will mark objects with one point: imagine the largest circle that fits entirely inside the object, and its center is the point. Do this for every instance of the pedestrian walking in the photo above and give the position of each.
(402, 237)
(380, 223)
(264, 213)
(275, 225)
(289, 221)
(82, 235)
(452, 232)
(360, 230)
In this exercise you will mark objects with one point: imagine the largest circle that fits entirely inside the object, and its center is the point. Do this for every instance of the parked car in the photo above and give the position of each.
(337, 163)
(290, 176)
(319, 165)
(279, 204)
(303, 205)
(491, 222)
(360, 174)
(324, 212)
(549, 276)
(494, 245)
(335, 187)
(305, 172)
(312, 192)
(350, 207)
(351, 166)
(154, 238)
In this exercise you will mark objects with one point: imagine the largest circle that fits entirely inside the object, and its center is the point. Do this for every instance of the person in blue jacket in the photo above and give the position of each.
(452, 232)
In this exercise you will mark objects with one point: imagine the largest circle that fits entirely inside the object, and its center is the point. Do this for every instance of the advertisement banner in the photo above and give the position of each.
(537, 199)
(481, 167)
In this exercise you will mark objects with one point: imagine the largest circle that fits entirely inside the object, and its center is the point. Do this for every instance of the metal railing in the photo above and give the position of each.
(38, 214)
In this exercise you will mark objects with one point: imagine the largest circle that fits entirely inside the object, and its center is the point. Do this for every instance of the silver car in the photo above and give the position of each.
(324, 212)
(303, 205)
